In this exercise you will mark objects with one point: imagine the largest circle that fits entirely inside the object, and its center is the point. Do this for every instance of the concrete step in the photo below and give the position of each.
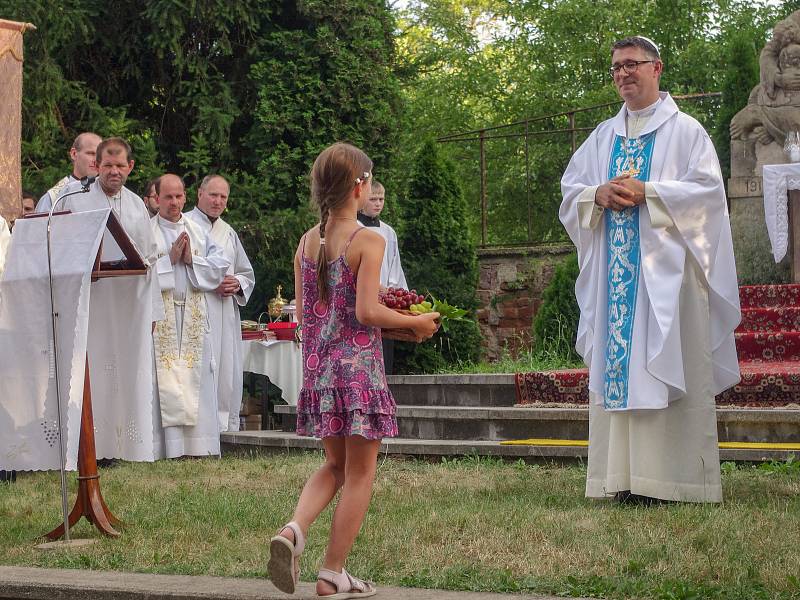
(502, 423)
(250, 442)
(453, 390)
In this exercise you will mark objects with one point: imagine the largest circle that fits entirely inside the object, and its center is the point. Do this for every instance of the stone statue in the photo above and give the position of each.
(773, 108)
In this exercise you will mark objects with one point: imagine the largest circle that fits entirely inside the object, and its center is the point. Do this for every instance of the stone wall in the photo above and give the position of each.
(510, 289)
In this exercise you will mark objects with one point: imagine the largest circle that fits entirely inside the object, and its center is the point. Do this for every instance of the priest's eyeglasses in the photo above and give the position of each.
(629, 67)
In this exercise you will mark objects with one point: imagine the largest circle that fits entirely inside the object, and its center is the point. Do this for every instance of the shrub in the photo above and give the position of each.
(555, 326)
(438, 256)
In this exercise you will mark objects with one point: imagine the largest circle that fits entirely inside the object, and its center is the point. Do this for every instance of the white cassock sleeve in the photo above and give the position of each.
(394, 276)
(207, 272)
(243, 271)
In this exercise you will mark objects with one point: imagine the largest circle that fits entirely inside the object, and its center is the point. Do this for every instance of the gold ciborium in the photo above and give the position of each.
(275, 305)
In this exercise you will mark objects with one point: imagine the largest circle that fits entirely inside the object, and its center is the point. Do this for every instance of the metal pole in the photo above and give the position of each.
(54, 316)
(574, 133)
(484, 206)
(528, 186)
(61, 446)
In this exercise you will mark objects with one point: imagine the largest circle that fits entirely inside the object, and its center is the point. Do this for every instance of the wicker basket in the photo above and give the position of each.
(400, 335)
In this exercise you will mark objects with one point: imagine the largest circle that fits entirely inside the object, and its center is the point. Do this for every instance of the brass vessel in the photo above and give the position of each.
(276, 304)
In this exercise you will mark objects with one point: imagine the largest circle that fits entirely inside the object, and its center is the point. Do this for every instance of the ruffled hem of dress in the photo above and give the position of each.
(345, 400)
(371, 426)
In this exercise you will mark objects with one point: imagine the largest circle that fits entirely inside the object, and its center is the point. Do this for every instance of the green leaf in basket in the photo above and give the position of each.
(448, 312)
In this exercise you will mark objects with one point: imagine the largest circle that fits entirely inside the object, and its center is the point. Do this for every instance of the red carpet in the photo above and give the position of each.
(767, 340)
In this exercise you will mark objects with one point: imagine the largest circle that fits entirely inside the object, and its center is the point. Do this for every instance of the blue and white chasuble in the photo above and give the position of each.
(632, 157)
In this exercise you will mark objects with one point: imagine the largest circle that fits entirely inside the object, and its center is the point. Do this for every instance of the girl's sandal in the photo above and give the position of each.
(346, 585)
(284, 558)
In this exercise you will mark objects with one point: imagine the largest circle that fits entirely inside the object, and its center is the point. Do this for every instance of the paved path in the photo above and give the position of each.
(60, 584)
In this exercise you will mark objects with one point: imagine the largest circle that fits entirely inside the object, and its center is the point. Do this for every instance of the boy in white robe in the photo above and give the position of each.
(224, 302)
(189, 264)
(392, 275)
(645, 205)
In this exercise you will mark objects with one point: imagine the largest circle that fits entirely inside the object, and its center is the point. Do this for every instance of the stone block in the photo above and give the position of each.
(743, 160)
(482, 314)
(744, 187)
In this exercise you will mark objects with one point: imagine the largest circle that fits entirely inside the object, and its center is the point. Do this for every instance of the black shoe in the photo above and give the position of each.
(625, 497)
(107, 463)
(8, 476)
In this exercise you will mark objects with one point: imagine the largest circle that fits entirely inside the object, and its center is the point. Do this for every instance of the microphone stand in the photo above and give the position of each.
(85, 183)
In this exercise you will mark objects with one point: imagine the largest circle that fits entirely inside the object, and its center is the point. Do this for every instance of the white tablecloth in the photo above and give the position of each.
(778, 180)
(281, 361)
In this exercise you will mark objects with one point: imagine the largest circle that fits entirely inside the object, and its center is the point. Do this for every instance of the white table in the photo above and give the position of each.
(281, 361)
(778, 180)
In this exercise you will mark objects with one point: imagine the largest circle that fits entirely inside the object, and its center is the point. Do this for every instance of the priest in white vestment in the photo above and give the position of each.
(122, 311)
(224, 302)
(645, 205)
(189, 264)
(82, 155)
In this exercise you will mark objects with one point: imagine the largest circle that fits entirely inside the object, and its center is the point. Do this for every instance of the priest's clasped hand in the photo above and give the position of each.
(620, 193)
(229, 286)
(181, 249)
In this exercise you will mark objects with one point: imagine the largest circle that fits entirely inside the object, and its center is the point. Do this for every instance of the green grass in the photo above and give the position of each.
(471, 524)
(521, 362)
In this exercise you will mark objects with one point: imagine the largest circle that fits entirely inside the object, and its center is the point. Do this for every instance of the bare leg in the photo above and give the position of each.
(361, 457)
(321, 487)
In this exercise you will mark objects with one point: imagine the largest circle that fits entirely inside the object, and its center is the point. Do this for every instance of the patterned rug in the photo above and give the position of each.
(767, 341)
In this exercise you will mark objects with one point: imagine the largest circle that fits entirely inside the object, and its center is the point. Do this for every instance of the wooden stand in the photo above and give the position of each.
(90, 503)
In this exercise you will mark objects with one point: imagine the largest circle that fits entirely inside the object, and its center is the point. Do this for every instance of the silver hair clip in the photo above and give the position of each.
(364, 176)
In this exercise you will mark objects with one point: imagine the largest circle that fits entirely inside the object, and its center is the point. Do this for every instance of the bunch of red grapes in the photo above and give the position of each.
(400, 298)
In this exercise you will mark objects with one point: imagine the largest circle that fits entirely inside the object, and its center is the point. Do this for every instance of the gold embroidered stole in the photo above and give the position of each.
(179, 361)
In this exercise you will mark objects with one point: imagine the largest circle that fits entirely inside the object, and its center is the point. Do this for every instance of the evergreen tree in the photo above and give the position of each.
(439, 257)
(555, 326)
(250, 89)
(741, 75)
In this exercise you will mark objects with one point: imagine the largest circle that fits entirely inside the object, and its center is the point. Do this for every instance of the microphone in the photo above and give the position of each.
(87, 181)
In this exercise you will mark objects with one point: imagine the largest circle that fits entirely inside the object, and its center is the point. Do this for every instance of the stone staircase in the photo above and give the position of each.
(456, 415)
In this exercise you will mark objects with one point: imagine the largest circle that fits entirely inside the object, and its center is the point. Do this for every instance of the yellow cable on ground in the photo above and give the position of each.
(724, 445)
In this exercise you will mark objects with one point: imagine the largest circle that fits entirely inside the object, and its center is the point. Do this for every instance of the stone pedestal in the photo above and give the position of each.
(751, 245)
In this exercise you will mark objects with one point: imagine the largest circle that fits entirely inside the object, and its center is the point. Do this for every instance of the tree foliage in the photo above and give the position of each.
(470, 64)
(250, 89)
(439, 257)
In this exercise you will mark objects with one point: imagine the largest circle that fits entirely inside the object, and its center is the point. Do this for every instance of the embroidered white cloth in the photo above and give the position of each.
(778, 180)
(223, 315)
(29, 435)
(281, 361)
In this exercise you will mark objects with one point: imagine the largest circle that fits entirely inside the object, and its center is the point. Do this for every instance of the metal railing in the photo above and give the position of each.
(537, 179)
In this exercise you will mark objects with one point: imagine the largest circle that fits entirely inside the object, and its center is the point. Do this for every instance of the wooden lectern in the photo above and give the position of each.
(90, 503)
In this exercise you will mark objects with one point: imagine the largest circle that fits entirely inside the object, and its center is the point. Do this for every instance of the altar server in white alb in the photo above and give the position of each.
(645, 205)
(189, 265)
(224, 302)
(392, 275)
(121, 314)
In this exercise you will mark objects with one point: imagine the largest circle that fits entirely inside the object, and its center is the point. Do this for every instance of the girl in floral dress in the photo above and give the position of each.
(345, 400)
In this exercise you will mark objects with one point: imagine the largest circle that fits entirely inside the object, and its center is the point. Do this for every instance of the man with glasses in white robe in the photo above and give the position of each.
(644, 204)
